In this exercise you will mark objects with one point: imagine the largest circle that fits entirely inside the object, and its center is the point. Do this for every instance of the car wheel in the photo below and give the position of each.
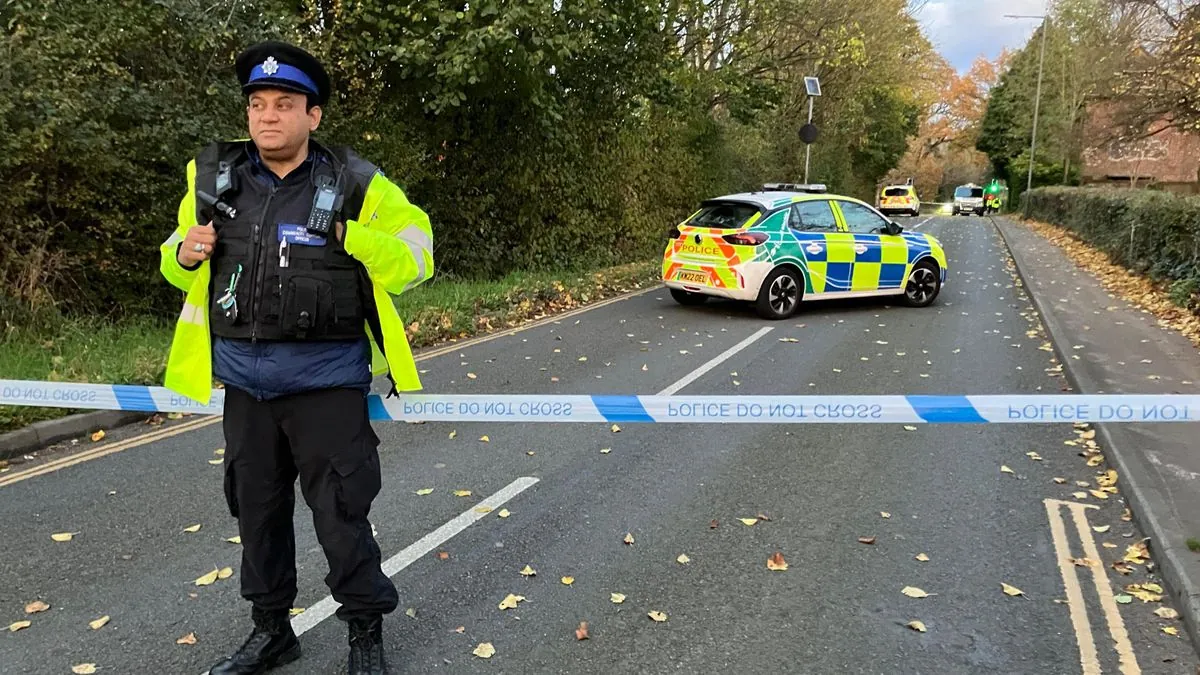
(688, 298)
(923, 285)
(780, 293)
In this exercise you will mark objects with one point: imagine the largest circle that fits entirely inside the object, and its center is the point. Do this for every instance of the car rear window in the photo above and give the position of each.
(724, 215)
(968, 192)
(896, 192)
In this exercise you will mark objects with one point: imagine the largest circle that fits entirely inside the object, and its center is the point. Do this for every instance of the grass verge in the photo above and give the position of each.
(135, 351)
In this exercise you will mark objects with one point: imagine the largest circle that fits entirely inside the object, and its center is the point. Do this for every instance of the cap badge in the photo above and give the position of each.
(270, 66)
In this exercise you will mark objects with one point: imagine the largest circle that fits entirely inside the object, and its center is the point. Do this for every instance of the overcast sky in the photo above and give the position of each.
(965, 29)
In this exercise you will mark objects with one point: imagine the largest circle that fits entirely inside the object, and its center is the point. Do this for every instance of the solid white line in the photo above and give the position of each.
(922, 222)
(392, 566)
(699, 372)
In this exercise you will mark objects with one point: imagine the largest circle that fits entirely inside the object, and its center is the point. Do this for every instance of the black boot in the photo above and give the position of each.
(273, 643)
(366, 647)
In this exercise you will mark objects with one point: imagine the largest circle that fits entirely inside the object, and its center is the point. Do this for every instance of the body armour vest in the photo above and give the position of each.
(272, 279)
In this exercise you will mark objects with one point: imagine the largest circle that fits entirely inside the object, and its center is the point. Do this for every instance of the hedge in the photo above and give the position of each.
(1149, 232)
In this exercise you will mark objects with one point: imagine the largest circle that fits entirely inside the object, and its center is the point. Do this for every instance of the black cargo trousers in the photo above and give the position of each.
(325, 438)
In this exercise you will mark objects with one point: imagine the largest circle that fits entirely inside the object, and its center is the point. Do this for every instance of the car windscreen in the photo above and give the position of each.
(965, 192)
(896, 192)
(723, 215)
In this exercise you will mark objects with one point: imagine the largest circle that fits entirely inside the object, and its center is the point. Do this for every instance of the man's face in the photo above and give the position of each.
(279, 121)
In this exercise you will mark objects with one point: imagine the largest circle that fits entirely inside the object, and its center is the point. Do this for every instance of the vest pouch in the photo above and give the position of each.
(229, 297)
(307, 309)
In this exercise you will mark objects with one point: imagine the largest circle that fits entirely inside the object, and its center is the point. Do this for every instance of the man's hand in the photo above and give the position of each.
(341, 232)
(198, 245)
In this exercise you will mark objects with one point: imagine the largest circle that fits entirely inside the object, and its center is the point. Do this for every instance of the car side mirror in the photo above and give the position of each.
(893, 228)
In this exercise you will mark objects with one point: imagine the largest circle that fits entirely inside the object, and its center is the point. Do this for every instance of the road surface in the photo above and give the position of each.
(573, 492)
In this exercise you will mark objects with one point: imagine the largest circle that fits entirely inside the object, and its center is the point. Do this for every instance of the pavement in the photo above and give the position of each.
(573, 492)
(1115, 347)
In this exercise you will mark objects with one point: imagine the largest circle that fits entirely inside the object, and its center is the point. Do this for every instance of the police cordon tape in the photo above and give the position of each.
(818, 409)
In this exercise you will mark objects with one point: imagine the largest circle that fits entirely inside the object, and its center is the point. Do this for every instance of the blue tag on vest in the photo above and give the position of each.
(298, 235)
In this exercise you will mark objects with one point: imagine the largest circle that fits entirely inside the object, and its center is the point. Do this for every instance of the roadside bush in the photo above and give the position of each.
(1152, 233)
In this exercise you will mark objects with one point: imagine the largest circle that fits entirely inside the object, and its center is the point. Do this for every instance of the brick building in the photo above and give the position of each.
(1169, 159)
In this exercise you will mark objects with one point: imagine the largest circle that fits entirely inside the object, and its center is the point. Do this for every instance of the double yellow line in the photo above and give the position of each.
(108, 449)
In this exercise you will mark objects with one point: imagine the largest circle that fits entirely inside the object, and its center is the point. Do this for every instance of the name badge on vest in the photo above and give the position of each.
(298, 235)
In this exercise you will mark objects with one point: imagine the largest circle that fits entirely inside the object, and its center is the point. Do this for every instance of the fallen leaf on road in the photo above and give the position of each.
(1137, 553)
(1108, 545)
(1079, 495)
(462, 493)
(1088, 435)
(1109, 478)
(484, 439)
(916, 625)
(1170, 630)
(914, 592)
(657, 616)
(174, 416)
(1011, 590)
(776, 563)
(644, 368)
(83, 669)
(219, 452)
(18, 625)
(1127, 515)
(225, 573)
(1099, 494)
(99, 623)
(628, 538)
(1145, 592)
(748, 521)
(63, 536)
(472, 376)
(1167, 613)
(922, 557)
(410, 613)
(453, 434)
(763, 516)
(485, 650)
(885, 514)
(1083, 562)
(424, 491)
(866, 540)
(208, 579)
(295, 611)
(1034, 456)
(1123, 599)
(909, 428)
(1101, 528)
(510, 601)
(616, 429)
(460, 630)
(504, 513)
(215, 462)
(530, 453)
(483, 509)
(1060, 481)
(617, 598)
(36, 606)
(528, 571)
(192, 528)
(443, 555)
(1122, 567)
(788, 339)
(605, 451)
(567, 581)
(1004, 469)
(98, 436)
(581, 633)
(235, 540)
(683, 559)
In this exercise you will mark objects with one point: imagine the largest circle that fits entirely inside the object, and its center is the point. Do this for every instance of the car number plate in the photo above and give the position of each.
(693, 277)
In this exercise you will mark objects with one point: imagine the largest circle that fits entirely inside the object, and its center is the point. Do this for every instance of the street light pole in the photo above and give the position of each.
(808, 146)
(1037, 100)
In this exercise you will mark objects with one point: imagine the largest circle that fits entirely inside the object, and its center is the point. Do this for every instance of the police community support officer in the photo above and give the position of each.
(295, 321)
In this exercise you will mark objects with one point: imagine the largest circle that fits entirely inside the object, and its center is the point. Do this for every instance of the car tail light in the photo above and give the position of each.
(746, 238)
(673, 233)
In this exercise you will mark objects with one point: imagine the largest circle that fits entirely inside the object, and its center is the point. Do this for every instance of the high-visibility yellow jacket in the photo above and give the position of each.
(390, 236)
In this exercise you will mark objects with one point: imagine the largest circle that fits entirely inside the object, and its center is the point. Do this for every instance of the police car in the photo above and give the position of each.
(789, 243)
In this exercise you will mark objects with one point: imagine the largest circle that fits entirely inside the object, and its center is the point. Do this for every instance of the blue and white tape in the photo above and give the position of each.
(832, 409)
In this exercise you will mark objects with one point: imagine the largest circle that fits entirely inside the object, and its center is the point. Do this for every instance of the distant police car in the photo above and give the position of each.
(790, 243)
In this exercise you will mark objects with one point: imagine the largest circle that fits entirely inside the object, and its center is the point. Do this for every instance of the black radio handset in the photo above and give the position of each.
(326, 202)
